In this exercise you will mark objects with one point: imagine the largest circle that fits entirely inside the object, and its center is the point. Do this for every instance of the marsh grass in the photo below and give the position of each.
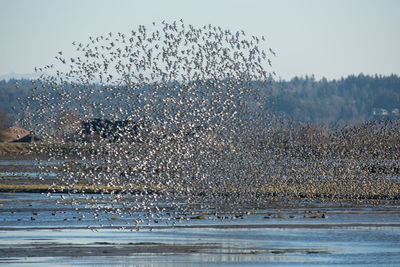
(314, 176)
(307, 189)
(13, 148)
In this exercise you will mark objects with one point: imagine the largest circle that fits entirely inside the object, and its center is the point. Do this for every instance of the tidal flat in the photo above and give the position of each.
(36, 231)
(58, 227)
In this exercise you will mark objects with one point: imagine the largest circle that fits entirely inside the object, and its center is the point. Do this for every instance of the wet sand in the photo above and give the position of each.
(281, 234)
(62, 230)
(50, 249)
(245, 245)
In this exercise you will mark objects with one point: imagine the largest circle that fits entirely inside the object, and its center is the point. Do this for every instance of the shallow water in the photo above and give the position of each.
(243, 246)
(350, 235)
(64, 230)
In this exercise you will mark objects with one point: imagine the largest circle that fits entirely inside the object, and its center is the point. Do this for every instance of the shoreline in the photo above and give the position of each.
(37, 232)
(280, 226)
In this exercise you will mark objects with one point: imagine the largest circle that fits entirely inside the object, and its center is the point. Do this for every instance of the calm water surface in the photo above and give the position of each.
(362, 236)
(36, 230)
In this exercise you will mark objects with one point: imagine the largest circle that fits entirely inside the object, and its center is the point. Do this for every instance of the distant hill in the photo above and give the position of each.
(19, 76)
(345, 101)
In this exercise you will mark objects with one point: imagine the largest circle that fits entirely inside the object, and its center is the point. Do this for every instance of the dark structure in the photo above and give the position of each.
(27, 139)
(132, 131)
(113, 131)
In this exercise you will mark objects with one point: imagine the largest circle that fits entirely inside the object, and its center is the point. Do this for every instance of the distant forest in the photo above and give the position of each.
(346, 101)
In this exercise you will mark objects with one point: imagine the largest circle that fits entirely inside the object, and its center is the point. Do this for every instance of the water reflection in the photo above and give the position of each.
(272, 246)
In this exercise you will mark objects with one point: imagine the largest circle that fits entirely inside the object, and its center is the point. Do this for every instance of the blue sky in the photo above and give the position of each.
(326, 38)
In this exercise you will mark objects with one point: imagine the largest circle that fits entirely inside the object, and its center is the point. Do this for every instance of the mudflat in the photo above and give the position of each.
(34, 229)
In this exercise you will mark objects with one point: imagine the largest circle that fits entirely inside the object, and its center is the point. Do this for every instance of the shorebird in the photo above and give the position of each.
(159, 113)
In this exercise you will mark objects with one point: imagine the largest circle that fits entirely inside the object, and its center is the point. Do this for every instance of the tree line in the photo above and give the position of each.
(344, 101)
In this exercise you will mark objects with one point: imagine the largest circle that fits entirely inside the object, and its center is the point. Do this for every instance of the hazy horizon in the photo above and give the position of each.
(327, 39)
(33, 75)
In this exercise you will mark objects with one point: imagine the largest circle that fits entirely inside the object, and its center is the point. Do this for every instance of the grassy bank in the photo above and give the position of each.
(44, 150)
(14, 149)
(310, 190)
(354, 178)
(380, 149)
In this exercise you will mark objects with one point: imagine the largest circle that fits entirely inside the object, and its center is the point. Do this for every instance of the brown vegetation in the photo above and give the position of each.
(13, 134)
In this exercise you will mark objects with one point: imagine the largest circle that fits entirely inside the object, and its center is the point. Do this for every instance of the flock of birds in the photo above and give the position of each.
(198, 97)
